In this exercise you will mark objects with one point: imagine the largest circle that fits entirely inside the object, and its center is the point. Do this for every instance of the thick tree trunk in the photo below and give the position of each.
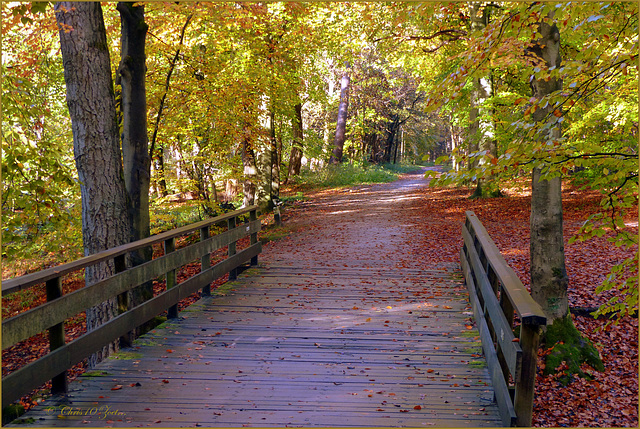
(91, 101)
(341, 125)
(135, 148)
(295, 158)
(548, 273)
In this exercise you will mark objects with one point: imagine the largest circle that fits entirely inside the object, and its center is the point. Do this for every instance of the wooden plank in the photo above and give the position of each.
(36, 373)
(22, 282)
(528, 310)
(507, 410)
(511, 350)
(37, 320)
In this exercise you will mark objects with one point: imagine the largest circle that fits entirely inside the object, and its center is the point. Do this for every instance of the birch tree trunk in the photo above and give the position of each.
(91, 102)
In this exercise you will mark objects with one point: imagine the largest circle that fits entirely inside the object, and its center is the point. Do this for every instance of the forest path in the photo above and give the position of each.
(342, 324)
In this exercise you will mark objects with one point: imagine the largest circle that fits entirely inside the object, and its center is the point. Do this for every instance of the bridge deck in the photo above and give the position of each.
(343, 337)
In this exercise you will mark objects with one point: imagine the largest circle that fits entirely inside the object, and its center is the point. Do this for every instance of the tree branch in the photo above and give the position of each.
(167, 85)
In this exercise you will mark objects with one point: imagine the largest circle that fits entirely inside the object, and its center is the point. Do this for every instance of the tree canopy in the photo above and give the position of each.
(227, 82)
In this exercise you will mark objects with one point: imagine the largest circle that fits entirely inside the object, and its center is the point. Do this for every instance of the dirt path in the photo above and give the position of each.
(367, 226)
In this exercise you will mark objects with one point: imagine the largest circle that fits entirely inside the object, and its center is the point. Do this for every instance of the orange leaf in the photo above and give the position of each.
(417, 407)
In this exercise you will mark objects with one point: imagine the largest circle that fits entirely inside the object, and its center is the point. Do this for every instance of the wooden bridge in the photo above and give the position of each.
(334, 332)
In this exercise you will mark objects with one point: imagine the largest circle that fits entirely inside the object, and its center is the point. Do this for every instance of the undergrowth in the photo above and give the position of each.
(341, 175)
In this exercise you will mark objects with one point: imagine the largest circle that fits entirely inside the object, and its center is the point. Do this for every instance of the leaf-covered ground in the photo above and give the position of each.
(611, 398)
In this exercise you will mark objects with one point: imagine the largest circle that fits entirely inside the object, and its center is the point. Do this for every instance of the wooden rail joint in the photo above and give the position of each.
(497, 296)
(51, 315)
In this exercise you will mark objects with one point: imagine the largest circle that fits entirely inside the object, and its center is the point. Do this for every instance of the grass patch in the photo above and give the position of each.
(145, 342)
(11, 412)
(224, 288)
(93, 374)
(126, 356)
(477, 364)
(469, 333)
(473, 350)
(273, 233)
(342, 175)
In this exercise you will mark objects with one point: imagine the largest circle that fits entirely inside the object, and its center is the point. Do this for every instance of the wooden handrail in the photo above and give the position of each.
(22, 282)
(497, 295)
(51, 315)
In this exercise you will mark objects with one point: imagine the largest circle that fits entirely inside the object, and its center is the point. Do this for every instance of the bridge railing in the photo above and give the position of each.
(497, 295)
(58, 308)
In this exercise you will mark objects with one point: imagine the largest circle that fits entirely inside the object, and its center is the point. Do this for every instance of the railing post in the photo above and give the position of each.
(253, 215)
(170, 246)
(56, 336)
(205, 261)
(525, 386)
(507, 310)
(124, 302)
(231, 223)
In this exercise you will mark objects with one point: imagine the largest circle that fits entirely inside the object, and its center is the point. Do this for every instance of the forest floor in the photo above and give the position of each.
(611, 398)
(436, 216)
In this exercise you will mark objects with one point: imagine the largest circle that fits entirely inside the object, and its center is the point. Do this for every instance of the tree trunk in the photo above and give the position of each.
(295, 159)
(274, 191)
(548, 273)
(391, 129)
(341, 125)
(249, 164)
(135, 148)
(481, 128)
(91, 102)
(160, 173)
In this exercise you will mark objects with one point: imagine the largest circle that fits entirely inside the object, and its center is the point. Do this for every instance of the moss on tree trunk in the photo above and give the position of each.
(571, 347)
